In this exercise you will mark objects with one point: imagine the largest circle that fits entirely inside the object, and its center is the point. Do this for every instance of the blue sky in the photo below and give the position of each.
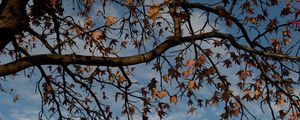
(29, 103)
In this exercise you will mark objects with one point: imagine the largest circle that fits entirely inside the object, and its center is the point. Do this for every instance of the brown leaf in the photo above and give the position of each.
(201, 59)
(109, 20)
(256, 94)
(129, 2)
(152, 84)
(286, 41)
(192, 109)
(173, 99)
(154, 92)
(297, 13)
(192, 84)
(227, 63)
(162, 94)
(273, 23)
(88, 22)
(166, 78)
(54, 2)
(97, 35)
(274, 2)
(190, 62)
(236, 112)
(131, 110)
(286, 11)
(280, 101)
(123, 44)
(229, 22)
(153, 12)
(16, 98)
(243, 74)
(187, 72)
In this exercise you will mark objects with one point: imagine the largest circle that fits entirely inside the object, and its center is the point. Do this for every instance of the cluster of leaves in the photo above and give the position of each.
(257, 63)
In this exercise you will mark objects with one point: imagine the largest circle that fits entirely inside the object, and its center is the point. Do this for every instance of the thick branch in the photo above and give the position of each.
(12, 14)
(26, 62)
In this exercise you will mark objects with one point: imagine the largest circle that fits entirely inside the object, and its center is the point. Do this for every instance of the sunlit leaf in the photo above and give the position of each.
(97, 35)
(173, 99)
(88, 22)
(190, 62)
(187, 72)
(109, 20)
(192, 84)
(162, 94)
(153, 12)
(166, 78)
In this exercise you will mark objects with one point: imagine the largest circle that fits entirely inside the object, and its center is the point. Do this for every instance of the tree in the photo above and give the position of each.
(83, 52)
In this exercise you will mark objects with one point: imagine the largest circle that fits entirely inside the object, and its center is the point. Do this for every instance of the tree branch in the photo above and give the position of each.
(12, 14)
(45, 59)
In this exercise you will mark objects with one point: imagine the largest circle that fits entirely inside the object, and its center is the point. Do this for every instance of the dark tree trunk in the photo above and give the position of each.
(12, 18)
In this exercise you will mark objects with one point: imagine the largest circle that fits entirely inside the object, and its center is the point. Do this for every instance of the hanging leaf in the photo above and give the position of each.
(201, 59)
(162, 94)
(16, 98)
(153, 12)
(192, 84)
(280, 101)
(173, 99)
(123, 44)
(166, 77)
(97, 35)
(187, 72)
(109, 20)
(190, 63)
(275, 43)
(88, 22)
(154, 93)
(192, 109)
(243, 74)
(129, 2)
(256, 94)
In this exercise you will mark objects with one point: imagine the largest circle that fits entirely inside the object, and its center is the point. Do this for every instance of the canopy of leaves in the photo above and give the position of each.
(94, 56)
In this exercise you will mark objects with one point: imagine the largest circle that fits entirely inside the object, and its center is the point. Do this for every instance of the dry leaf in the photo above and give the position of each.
(166, 78)
(192, 110)
(257, 93)
(275, 43)
(123, 44)
(154, 92)
(54, 2)
(129, 2)
(192, 84)
(190, 62)
(173, 99)
(243, 74)
(109, 20)
(97, 35)
(286, 41)
(279, 101)
(187, 72)
(153, 12)
(88, 22)
(16, 98)
(201, 59)
(162, 94)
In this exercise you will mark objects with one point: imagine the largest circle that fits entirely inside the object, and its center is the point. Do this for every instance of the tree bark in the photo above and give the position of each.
(35, 60)
(12, 14)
